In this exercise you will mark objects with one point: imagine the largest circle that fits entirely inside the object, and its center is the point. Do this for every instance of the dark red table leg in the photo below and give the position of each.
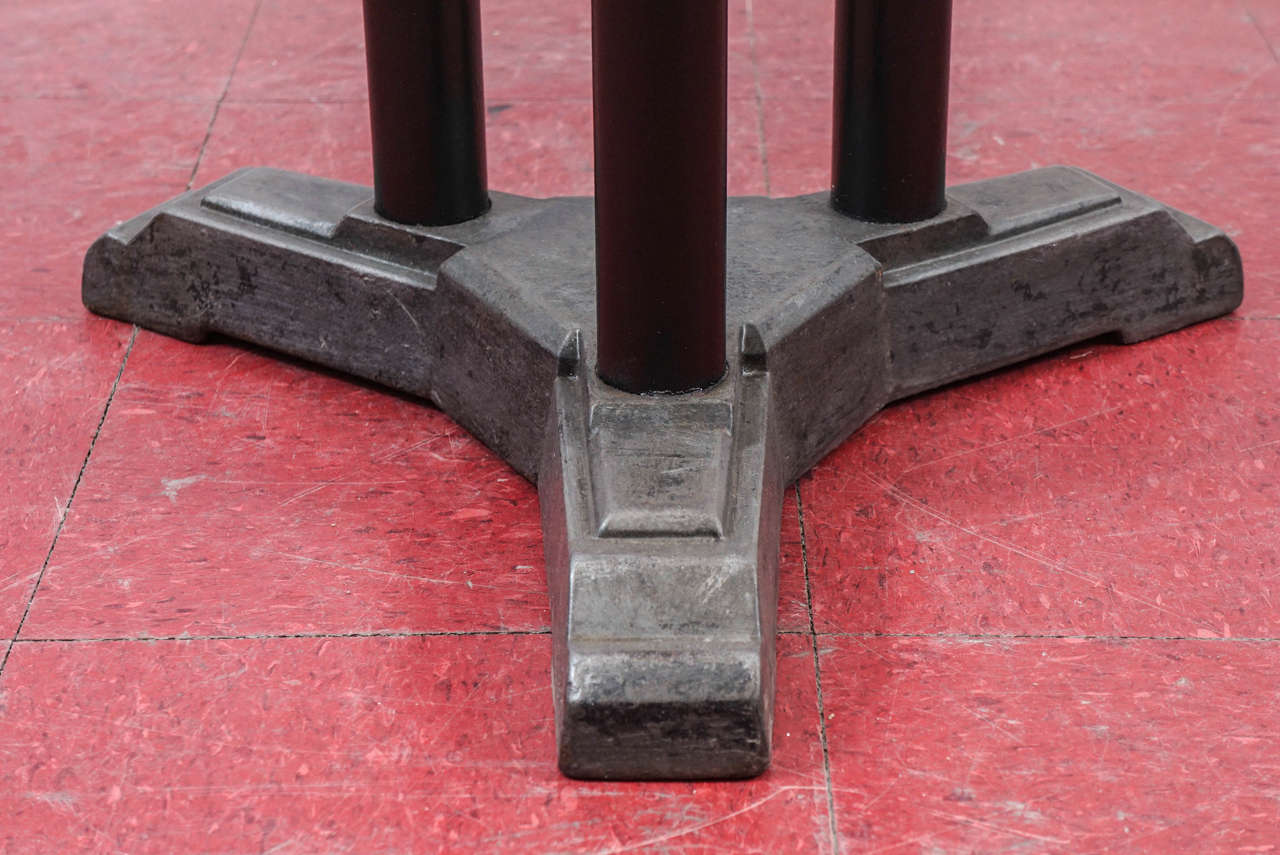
(426, 105)
(660, 121)
(890, 131)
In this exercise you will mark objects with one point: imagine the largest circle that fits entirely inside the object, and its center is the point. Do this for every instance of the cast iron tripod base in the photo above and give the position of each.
(661, 514)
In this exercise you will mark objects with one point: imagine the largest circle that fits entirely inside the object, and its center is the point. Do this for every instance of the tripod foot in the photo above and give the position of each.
(661, 512)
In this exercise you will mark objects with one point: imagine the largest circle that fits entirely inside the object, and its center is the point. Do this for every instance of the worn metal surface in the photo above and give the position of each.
(661, 513)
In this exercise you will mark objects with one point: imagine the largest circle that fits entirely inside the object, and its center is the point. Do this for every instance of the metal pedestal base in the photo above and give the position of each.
(661, 514)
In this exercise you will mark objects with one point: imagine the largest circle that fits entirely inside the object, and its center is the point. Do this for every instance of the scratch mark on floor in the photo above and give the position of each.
(690, 829)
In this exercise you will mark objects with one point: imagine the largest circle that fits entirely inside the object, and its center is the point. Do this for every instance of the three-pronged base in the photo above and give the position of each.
(661, 513)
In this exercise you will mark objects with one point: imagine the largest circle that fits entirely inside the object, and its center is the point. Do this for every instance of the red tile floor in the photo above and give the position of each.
(246, 606)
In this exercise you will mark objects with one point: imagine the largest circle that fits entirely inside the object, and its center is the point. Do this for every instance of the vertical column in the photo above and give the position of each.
(660, 78)
(889, 143)
(426, 106)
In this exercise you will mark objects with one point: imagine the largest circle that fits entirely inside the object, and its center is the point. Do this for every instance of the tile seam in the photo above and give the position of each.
(113, 639)
(758, 90)
(923, 636)
(217, 107)
(71, 496)
(1275, 55)
(1024, 636)
(817, 677)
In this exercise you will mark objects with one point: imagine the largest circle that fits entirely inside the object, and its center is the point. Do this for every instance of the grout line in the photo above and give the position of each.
(517, 99)
(759, 93)
(97, 98)
(491, 100)
(1031, 636)
(1266, 41)
(817, 676)
(235, 63)
(924, 636)
(289, 635)
(66, 510)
